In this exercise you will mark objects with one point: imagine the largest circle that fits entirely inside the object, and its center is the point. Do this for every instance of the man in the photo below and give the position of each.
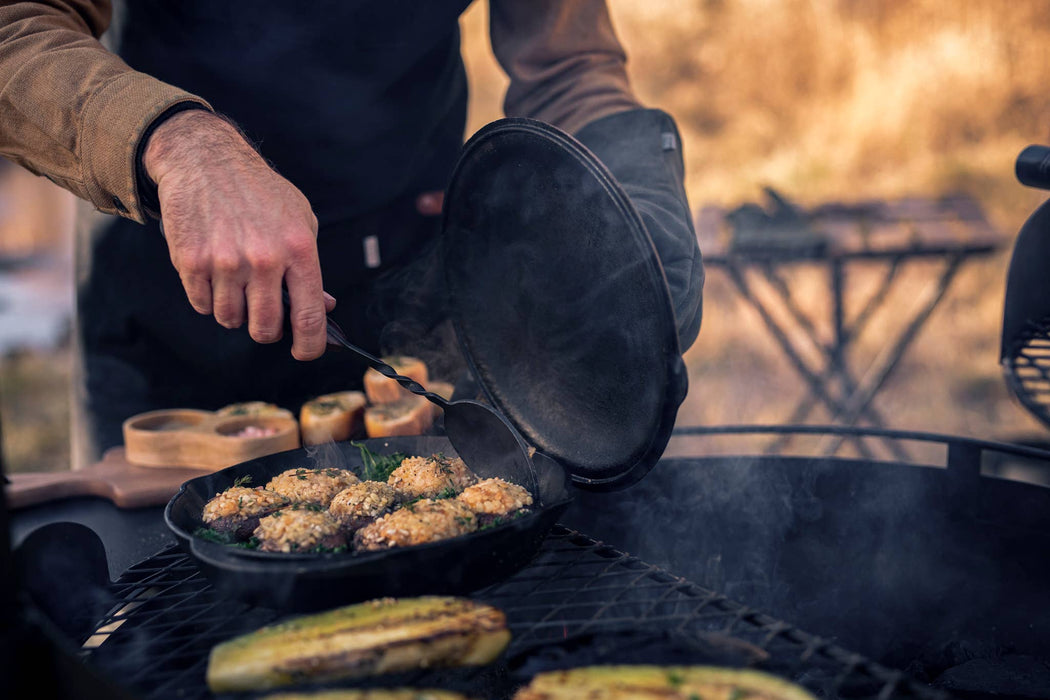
(360, 108)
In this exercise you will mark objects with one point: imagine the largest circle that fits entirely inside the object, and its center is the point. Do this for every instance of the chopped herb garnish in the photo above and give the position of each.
(376, 467)
(245, 480)
(675, 679)
(449, 492)
(496, 522)
(252, 543)
(213, 535)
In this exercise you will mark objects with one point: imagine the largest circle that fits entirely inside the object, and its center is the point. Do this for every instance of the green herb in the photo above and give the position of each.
(449, 492)
(245, 480)
(675, 679)
(496, 522)
(213, 535)
(321, 549)
(735, 694)
(252, 543)
(376, 467)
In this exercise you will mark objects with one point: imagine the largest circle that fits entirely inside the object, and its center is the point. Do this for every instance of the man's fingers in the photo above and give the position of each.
(228, 304)
(307, 313)
(265, 310)
(198, 291)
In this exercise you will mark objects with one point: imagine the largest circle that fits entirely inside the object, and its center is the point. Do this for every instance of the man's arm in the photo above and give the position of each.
(565, 64)
(73, 111)
(567, 68)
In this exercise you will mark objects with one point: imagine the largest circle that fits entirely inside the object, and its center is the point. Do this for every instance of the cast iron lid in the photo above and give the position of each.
(560, 302)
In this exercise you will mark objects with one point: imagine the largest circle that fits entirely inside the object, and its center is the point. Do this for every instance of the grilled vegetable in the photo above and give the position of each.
(371, 694)
(664, 683)
(380, 636)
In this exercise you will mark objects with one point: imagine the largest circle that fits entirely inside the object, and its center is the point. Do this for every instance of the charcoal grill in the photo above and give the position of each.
(166, 618)
(163, 616)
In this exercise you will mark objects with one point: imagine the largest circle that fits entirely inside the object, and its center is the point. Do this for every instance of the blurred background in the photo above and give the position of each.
(826, 101)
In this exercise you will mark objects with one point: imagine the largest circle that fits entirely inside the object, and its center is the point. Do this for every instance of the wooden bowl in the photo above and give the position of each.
(186, 437)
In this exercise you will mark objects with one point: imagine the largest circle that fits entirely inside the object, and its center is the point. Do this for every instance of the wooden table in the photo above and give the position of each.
(765, 242)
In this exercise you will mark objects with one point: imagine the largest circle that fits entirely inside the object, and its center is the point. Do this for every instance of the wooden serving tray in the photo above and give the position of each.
(186, 437)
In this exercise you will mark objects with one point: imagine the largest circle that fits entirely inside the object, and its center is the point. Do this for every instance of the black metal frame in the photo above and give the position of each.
(1026, 369)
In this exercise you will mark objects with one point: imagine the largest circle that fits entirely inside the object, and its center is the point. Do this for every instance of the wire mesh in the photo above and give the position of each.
(167, 618)
(1027, 369)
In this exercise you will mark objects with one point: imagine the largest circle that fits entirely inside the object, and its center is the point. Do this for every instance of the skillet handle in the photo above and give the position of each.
(1033, 167)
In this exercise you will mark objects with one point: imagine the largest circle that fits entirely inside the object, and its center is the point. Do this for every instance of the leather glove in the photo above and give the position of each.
(642, 149)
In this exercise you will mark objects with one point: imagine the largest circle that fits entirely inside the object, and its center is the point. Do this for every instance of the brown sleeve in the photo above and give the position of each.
(565, 64)
(69, 108)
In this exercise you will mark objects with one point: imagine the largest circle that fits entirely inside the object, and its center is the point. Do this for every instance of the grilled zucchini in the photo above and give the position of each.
(663, 683)
(380, 636)
(372, 694)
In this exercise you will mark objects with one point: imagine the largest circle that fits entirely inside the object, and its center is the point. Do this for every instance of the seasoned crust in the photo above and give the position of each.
(312, 485)
(417, 523)
(236, 511)
(299, 529)
(430, 477)
(495, 497)
(242, 502)
(362, 503)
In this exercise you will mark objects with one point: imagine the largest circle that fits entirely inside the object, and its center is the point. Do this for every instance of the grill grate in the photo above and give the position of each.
(156, 640)
(1027, 369)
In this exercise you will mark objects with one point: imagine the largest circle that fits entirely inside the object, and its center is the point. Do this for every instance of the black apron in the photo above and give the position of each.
(362, 105)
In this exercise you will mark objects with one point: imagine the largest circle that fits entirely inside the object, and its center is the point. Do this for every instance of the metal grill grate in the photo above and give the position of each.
(1027, 369)
(157, 639)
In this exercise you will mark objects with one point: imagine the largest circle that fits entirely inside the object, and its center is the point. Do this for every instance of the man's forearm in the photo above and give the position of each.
(69, 108)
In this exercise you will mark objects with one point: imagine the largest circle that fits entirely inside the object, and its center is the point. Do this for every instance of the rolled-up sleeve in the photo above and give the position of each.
(566, 65)
(69, 108)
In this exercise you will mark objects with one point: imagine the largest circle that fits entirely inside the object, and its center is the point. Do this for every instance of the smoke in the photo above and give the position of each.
(326, 455)
(874, 556)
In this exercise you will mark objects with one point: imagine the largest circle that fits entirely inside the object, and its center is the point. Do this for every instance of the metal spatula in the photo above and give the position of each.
(479, 434)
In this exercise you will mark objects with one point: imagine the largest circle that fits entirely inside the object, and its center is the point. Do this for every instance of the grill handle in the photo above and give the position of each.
(1033, 167)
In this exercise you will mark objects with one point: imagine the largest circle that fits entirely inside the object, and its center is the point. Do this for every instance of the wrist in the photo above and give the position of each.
(187, 139)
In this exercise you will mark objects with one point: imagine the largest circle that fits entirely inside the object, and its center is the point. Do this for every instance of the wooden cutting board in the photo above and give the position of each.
(127, 485)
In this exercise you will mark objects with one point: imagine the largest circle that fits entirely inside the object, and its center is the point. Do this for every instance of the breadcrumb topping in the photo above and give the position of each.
(312, 485)
(495, 497)
(430, 477)
(298, 529)
(367, 499)
(242, 502)
(417, 523)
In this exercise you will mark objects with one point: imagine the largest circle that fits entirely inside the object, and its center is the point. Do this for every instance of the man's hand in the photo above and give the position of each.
(236, 229)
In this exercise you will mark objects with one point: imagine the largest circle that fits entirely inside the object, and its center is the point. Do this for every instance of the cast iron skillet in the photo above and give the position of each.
(305, 582)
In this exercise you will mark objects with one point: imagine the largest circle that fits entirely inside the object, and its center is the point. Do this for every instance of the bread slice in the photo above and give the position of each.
(380, 389)
(410, 415)
(254, 408)
(332, 417)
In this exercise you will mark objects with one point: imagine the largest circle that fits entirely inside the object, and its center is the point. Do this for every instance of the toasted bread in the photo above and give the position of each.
(380, 389)
(332, 417)
(410, 415)
(254, 408)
